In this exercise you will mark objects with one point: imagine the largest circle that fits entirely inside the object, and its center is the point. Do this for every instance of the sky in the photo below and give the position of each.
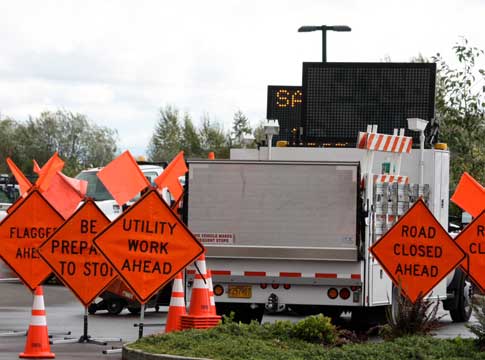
(119, 62)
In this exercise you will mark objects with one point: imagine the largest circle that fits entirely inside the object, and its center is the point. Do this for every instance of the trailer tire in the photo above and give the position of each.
(92, 308)
(115, 306)
(135, 310)
(463, 311)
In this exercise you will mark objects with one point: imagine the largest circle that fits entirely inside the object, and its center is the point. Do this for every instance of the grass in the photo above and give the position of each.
(274, 341)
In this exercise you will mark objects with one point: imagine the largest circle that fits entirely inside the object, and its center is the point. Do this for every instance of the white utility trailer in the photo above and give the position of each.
(294, 231)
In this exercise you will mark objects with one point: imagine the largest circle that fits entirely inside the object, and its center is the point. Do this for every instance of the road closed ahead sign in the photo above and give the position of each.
(472, 241)
(417, 253)
(22, 232)
(148, 245)
(71, 254)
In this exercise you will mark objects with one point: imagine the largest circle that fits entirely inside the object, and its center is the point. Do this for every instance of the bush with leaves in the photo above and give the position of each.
(478, 308)
(316, 328)
(419, 318)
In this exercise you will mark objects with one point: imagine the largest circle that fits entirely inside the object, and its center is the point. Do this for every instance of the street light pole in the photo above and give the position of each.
(324, 29)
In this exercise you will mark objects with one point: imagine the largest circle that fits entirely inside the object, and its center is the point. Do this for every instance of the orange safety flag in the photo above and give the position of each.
(37, 168)
(81, 186)
(469, 195)
(123, 178)
(62, 195)
(24, 183)
(49, 171)
(170, 176)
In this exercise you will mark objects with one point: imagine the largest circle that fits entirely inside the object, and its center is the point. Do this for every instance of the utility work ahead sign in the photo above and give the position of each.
(75, 260)
(148, 245)
(22, 232)
(417, 253)
(472, 242)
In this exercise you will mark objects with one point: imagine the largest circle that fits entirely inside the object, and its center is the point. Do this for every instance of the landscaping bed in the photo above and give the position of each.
(312, 338)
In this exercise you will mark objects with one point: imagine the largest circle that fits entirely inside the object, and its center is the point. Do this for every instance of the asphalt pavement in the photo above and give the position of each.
(65, 313)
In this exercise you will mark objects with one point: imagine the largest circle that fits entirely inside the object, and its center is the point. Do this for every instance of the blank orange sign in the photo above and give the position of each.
(22, 232)
(417, 253)
(148, 245)
(75, 260)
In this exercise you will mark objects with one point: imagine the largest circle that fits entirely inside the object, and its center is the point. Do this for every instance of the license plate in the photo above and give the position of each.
(239, 291)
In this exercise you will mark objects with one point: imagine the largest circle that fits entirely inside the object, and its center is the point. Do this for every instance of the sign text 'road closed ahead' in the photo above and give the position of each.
(417, 253)
(75, 260)
(148, 245)
(22, 232)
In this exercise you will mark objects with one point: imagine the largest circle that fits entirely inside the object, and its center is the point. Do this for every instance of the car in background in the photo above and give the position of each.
(8, 195)
(98, 192)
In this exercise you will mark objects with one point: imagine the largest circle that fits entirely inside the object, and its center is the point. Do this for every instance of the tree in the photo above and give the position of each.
(240, 127)
(460, 108)
(191, 142)
(213, 138)
(258, 133)
(79, 143)
(8, 141)
(166, 140)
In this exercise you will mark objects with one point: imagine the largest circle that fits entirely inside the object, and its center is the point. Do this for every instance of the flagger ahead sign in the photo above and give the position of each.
(417, 253)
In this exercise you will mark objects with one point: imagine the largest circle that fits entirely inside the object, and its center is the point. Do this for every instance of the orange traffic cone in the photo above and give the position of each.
(211, 292)
(177, 305)
(199, 300)
(37, 344)
(212, 155)
(200, 314)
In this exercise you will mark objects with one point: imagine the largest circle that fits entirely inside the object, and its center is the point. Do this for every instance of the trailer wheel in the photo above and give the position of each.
(115, 306)
(92, 308)
(135, 310)
(463, 311)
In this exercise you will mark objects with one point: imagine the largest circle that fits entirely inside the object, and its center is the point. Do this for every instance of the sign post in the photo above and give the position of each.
(417, 253)
(71, 254)
(148, 245)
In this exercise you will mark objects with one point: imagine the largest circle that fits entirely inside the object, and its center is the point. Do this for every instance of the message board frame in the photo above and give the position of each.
(287, 110)
(340, 99)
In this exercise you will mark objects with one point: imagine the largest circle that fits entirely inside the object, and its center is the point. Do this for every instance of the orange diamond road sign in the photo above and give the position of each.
(472, 241)
(21, 233)
(75, 260)
(148, 245)
(417, 253)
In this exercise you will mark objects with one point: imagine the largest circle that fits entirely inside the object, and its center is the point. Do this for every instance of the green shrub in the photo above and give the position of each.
(419, 318)
(478, 308)
(316, 328)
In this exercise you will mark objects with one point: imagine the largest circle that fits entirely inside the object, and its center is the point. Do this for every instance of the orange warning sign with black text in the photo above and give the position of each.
(417, 253)
(148, 245)
(75, 260)
(22, 232)
(472, 241)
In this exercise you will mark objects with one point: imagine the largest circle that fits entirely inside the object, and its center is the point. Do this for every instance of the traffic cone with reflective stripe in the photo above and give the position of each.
(199, 301)
(211, 292)
(37, 344)
(200, 310)
(177, 305)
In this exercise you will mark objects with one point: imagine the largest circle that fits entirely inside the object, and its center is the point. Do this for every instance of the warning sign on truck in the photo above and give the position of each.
(215, 238)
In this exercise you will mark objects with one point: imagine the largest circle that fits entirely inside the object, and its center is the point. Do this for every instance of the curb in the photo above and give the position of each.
(134, 354)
